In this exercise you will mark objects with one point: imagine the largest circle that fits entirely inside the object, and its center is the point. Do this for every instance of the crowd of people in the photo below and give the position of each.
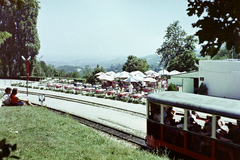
(224, 132)
(10, 98)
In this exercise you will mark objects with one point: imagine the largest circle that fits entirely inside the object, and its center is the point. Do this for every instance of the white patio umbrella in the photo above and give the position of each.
(149, 80)
(150, 72)
(124, 75)
(134, 73)
(138, 77)
(109, 78)
(110, 73)
(105, 77)
(100, 73)
(130, 79)
(174, 72)
(152, 75)
(163, 72)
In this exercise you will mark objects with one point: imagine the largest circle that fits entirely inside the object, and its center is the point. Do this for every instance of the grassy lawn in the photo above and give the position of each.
(41, 134)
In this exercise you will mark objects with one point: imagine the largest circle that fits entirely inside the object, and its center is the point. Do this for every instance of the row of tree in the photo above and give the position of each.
(20, 37)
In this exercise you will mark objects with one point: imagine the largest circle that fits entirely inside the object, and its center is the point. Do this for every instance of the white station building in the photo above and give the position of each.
(222, 77)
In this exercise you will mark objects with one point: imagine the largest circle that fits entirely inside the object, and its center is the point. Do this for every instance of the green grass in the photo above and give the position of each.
(42, 134)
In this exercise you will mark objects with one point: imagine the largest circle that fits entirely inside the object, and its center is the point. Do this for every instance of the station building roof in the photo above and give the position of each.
(194, 74)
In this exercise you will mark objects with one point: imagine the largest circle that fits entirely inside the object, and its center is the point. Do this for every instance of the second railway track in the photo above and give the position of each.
(89, 103)
(139, 141)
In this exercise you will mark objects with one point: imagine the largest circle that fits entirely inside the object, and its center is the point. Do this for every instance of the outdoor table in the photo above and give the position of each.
(58, 86)
(100, 91)
(68, 87)
(89, 89)
(77, 84)
(86, 85)
(137, 96)
(96, 86)
(147, 89)
(111, 92)
(78, 88)
(123, 94)
(51, 85)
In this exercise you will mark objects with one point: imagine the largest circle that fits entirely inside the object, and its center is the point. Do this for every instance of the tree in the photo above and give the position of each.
(22, 24)
(4, 35)
(223, 53)
(93, 78)
(220, 25)
(183, 62)
(62, 73)
(116, 68)
(133, 64)
(87, 74)
(176, 43)
(74, 74)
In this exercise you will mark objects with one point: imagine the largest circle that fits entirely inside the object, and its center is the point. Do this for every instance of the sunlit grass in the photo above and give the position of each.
(41, 134)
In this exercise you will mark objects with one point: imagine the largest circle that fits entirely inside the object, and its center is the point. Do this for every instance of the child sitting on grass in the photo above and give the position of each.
(6, 97)
(16, 101)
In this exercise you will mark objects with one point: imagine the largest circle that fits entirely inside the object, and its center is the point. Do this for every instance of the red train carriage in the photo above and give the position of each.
(194, 136)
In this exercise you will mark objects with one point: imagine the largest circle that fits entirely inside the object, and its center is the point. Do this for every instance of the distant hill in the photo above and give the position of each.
(69, 68)
(81, 63)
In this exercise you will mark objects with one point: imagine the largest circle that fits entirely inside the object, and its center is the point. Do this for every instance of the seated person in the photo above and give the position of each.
(207, 129)
(16, 101)
(221, 134)
(238, 132)
(193, 115)
(170, 111)
(220, 124)
(190, 125)
(232, 133)
(157, 115)
(6, 97)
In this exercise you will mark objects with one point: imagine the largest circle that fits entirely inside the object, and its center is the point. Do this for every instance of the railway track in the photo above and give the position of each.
(139, 141)
(88, 103)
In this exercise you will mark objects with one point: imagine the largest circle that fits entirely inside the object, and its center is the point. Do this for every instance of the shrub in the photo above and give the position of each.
(41, 88)
(92, 94)
(144, 103)
(124, 99)
(172, 87)
(77, 92)
(87, 94)
(130, 101)
(203, 90)
(71, 92)
(136, 101)
(101, 96)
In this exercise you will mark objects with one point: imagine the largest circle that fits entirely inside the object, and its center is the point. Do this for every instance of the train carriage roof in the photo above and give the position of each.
(207, 104)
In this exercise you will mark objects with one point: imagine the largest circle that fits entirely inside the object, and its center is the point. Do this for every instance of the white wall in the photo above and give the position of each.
(221, 77)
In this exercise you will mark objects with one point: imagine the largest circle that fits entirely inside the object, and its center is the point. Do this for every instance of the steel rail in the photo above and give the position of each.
(139, 141)
(88, 103)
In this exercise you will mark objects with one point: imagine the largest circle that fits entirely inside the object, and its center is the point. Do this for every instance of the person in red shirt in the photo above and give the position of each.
(16, 101)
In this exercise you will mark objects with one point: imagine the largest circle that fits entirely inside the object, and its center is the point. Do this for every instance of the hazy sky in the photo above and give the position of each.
(106, 29)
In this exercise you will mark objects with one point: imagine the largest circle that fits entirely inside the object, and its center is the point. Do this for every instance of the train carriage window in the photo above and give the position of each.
(154, 111)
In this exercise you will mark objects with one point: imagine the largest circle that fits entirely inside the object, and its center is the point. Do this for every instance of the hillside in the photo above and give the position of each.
(81, 63)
